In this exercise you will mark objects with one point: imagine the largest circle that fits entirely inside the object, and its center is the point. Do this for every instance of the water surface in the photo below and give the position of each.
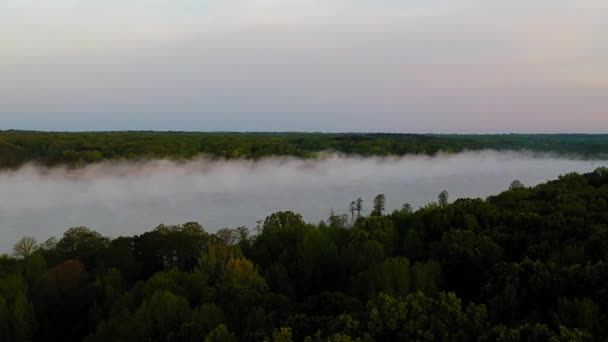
(130, 198)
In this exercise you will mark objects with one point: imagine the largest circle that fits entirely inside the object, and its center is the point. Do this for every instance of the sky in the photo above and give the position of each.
(469, 66)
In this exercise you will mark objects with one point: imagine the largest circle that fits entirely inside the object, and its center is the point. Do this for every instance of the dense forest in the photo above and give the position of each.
(528, 264)
(74, 149)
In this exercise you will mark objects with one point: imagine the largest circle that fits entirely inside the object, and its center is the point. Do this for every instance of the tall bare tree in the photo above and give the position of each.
(25, 246)
(352, 207)
(443, 198)
(359, 206)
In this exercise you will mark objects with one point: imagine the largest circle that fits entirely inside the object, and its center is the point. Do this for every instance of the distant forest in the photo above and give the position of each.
(76, 149)
(528, 264)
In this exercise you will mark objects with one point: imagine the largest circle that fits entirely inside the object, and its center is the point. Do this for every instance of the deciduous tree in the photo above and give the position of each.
(25, 246)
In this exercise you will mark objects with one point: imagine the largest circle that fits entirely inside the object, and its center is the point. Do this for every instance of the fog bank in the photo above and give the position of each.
(130, 198)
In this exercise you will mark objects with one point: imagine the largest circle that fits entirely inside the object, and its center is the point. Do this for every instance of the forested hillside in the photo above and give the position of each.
(528, 264)
(74, 149)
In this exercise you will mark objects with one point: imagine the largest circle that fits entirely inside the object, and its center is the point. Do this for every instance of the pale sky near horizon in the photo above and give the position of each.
(305, 65)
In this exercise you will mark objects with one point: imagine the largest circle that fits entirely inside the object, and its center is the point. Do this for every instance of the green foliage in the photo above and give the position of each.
(81, 243)
(376, 228)
(392, 276)
(516, 184)
(406, 208)
(536, 333)
(161, 316)
(417, 317)
(281, 335)
(578, 313)
(220, 334)
(16, 312)
(241, 272)
(379, 201)
(426, 277)
(80, 148)
(283, 220)
(528, 264)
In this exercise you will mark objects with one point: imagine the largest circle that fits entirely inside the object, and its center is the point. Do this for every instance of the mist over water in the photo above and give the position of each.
(120, 198)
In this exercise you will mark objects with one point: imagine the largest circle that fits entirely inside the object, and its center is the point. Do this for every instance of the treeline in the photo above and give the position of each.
(76, 149)
(528, 264)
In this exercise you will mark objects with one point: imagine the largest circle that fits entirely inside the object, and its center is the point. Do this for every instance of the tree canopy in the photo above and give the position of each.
(528, 264)
(80, 148)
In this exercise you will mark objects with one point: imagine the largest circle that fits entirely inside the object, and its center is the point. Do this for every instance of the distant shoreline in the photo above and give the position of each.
(75, 149)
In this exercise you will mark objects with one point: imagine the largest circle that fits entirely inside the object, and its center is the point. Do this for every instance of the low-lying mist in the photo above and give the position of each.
(128, 198)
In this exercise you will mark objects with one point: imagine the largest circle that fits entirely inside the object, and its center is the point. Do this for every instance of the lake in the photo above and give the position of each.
(121, 198)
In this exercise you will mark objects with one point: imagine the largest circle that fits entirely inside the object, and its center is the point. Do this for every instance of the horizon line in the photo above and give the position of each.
(290, 132)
